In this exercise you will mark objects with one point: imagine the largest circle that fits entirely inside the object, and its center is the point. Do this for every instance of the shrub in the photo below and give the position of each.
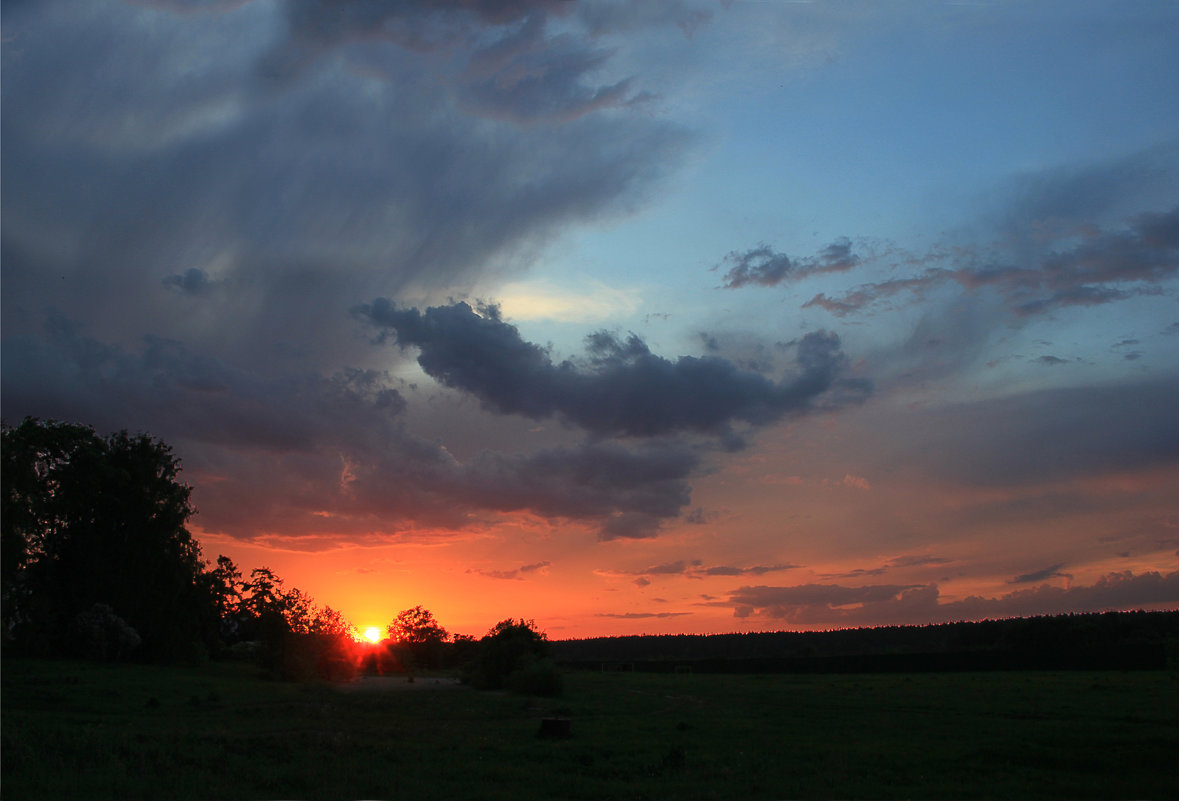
(98, 633)
(507, 649)
(536, 677)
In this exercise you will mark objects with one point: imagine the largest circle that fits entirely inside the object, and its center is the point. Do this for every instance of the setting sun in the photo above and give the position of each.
(373, 634)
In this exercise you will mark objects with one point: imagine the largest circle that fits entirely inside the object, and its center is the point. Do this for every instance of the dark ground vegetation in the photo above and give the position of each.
(87, 730)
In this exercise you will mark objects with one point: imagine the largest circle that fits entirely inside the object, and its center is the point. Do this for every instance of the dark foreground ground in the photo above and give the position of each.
(74, 730)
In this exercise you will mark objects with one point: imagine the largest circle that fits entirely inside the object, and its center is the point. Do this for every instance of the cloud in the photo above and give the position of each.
(764, 266)
(696, 569)
(1042, 436)
(303, 455)
(828, 604)
(918, 560)
(1080, 235)
(218, 206)
(620, 388)
(1043, 574)
(201, 192)
(811, 601)
(518, 574)
(641, 615)
(1106, 266)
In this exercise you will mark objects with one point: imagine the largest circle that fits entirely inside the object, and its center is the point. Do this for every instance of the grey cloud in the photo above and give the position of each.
(167, 389)
(1107, 265)
(524, 77)
(518, 574)
(696, 569)
(641, 615)
(500, 58)
(346, 183)
(765, 267)
(756, 570)
(918, 561)
(620, 15)
(1043, 574)
(193, 281)
(900, 562)
(1043, 436)
(622, 389)
(671, 568)
(811, 601)
(306, 454)
(628, 492)
(1068, 198)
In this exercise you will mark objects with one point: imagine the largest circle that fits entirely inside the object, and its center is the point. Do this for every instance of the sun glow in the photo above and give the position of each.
(373, 634)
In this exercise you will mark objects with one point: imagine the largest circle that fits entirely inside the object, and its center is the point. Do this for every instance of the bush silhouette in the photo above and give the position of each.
(514, 655)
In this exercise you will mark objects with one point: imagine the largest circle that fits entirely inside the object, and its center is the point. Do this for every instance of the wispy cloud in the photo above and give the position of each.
(516, 574)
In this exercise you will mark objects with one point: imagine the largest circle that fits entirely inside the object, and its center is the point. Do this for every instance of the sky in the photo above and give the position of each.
(677, 317)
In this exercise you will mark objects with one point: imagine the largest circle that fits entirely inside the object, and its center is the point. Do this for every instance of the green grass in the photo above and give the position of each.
(72, 730)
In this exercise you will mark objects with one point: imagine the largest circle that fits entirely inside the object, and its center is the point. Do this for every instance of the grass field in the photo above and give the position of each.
(90, 731)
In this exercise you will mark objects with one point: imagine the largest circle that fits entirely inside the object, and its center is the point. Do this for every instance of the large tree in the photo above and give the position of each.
(98, 520)
(417, 638)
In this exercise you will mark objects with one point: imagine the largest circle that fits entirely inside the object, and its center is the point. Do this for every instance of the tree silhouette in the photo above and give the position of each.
(90, 520)
(514, 654)
(416, 626)
(417, 638)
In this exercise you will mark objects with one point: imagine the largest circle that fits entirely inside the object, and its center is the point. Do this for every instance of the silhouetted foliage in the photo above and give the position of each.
(416, 639)
(97, 561)
(100, 634)
(91, 520)
(514, 655)
(291, 638)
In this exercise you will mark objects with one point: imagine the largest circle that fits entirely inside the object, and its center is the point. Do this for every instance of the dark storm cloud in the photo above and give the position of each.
(523, 77)
(405, 485)
(627, 492)
(305, 453)
(201, 192)
(165, 388)
(899, 604)
(498, 59)
(765, 267)
(620, 388)
(139, 164)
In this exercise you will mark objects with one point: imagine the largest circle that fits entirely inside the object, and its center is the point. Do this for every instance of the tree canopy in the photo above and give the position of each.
(97, 520)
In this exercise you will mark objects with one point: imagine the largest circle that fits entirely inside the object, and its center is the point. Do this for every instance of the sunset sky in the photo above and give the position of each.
(625, 317)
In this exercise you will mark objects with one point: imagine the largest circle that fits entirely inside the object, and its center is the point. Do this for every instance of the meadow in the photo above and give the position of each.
(78, 730)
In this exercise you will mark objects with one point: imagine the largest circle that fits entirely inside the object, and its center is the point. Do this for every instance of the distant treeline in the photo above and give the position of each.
(1100, 641)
